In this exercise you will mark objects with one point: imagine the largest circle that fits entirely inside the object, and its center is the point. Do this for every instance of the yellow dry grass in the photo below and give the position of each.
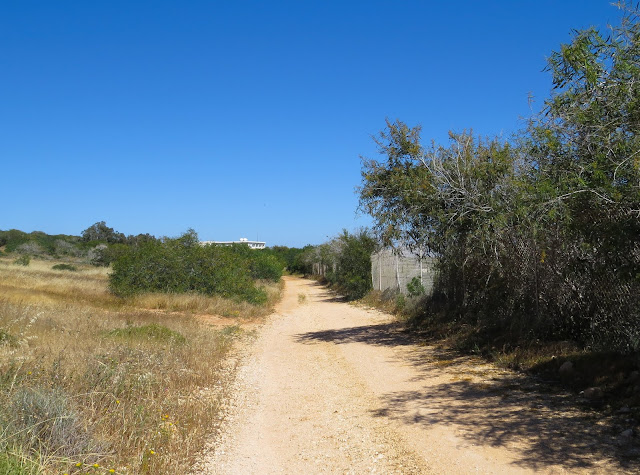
(74, 393)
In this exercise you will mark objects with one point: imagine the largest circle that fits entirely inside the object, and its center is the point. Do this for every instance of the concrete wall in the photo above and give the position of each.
(391, 270)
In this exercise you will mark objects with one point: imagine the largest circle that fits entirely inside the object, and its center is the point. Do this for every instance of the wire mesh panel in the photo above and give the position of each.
(393, 269)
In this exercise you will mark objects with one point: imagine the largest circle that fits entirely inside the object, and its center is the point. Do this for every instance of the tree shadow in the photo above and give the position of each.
(493, 407)
(555, 431)
(384, 334)
(333, 298)
(329, 295)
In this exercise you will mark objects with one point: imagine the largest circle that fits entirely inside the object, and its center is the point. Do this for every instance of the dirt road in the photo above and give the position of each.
(328, 387)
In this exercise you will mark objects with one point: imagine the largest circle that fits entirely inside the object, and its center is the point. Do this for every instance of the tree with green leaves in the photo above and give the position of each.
(537, 236)
(101, 232)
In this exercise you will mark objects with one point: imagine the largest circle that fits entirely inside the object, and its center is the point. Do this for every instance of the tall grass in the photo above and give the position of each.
(93, 382)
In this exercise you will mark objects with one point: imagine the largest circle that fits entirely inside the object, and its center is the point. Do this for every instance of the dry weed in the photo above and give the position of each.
(89, 379)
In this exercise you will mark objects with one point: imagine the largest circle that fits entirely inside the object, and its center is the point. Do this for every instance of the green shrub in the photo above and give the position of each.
(12, 239)
(102, 233)
(183, 265)
(415, 287)
(353, 272)
(22, 260)
(68, 267)
(290, 256)
(266, 266)
(7, 338)
(66, 248)
(38, 242)
(152, 331)
(11, 464)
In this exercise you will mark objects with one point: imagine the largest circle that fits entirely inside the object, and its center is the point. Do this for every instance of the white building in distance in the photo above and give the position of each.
(251, 244)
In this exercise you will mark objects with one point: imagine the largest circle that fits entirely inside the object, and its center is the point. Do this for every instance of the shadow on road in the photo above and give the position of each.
(487, 406)
(387, 334)
(554, 432)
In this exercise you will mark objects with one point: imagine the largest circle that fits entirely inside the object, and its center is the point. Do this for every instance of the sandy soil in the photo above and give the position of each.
(328, 387)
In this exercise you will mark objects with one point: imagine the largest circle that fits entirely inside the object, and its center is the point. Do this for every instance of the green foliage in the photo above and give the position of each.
(99, 256)
(353, 272)
(266, 266)
(12, 239)
(344, 262)
(23, 260)
(151, 332)
(68, 267)
(102, 233)
(11, 464)
(36, 242)
(536, 237)
(99, 243)
(7, 338)
(303, 260)
(291, 257)
(415, 287)
(183, 265)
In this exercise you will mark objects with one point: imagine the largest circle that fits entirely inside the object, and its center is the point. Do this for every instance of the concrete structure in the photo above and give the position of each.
(395, 268)
(251, 244)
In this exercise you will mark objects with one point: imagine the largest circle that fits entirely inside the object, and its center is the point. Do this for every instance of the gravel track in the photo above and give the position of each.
(329, 387)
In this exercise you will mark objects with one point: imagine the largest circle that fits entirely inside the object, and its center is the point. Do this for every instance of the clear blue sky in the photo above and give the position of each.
(247, 118)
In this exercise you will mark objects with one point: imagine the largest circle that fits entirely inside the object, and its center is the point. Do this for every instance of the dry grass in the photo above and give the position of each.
(87, 378)
(40, 284)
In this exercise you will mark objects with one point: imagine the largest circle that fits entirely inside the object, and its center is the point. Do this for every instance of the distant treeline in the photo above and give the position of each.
(343, 262)
(92, 246)
(144, 263)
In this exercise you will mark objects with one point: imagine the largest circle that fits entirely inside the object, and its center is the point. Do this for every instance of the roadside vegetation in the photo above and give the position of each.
(103, 373)
(183, 265)
(344, 263)
(536, 236)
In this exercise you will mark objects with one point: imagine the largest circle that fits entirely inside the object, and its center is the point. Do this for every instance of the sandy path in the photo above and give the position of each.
(328, 387)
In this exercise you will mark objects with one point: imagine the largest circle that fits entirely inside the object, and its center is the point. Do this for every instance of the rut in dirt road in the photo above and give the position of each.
(328, 387)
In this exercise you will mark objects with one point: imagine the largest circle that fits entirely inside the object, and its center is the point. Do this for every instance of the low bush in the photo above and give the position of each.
(182, 265)
(415, 287)
(264, 264)
(11, 464)
(99, 256)
(68, 267)
(38, 242)
(7, 338)
(291, 257)
(23, 260)
(151, 332)
(350, 273)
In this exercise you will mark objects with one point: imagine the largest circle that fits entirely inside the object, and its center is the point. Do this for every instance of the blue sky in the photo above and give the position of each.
(246, 118)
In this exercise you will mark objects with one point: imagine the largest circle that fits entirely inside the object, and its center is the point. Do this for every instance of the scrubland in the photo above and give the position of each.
(94, 383)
